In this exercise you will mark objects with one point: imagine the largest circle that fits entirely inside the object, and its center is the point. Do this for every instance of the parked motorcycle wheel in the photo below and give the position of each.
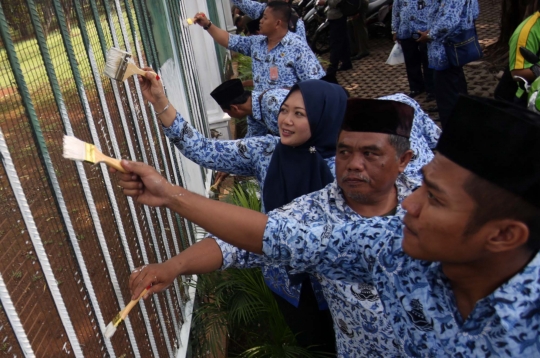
(321, 41)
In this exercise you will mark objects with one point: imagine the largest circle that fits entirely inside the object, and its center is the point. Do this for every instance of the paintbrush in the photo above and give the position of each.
(188, 21)
(191, 20)
(120, 65)
(111, 327)
(76, 149)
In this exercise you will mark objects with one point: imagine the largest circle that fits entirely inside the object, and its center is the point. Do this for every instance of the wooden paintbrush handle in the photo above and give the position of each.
(115, 163)
(132, 304)
(133, 69)
(216, 184)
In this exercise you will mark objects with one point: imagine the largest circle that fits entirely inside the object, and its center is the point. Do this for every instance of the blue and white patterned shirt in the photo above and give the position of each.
(409, 17)
(289, 62)
(417, 297)
(265, 108)
(362, 327)
(255, 9)
(447, 18)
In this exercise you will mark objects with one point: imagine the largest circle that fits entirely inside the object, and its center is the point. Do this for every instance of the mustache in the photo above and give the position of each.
(358, 177)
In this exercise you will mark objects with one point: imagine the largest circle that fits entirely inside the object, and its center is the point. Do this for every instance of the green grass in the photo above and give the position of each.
(33, 67)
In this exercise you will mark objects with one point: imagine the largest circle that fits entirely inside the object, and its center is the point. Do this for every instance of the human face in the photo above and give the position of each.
(366, 166)
(293, 122)
(437, 216)
(268, 22)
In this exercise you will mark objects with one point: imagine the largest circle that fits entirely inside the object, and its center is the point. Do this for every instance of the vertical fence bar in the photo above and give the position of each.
(5, 298)
(45, 156)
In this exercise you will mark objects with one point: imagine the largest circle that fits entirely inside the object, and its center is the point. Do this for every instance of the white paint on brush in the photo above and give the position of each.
(74, 148)
(115, 56)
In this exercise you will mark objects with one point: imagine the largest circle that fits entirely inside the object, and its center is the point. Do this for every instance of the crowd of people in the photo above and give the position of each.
(381, 235)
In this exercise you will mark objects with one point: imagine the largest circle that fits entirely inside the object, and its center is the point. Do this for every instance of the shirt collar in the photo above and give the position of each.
(286, 40)
(519, 297)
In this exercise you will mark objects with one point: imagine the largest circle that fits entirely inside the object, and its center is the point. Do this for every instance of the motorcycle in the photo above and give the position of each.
(317, 27)
(533, 100)
(378, 23)
(379, 18)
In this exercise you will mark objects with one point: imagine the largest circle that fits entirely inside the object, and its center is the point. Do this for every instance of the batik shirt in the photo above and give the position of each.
(448, 18)
(417, 297)
(249, 157)
(362, 327)
(255, 9)
(409, 17)
(289, 62)
(424, 135)
(265, 108)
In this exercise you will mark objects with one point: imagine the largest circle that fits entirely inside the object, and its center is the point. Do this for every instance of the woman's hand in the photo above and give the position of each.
(159, 276)
(152, 89)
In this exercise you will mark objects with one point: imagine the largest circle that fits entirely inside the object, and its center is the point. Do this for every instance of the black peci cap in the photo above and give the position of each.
(497, 141)
(226, 92)
(379, 116)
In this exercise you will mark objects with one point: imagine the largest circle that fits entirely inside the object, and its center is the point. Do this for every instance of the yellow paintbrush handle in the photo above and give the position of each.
(115, 163)
(132, 304)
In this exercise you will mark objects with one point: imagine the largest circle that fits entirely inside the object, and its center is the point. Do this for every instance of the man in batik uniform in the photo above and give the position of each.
(261, 109)
(280, 58)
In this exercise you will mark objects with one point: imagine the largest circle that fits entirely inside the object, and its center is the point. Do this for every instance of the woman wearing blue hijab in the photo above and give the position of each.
(301, 160)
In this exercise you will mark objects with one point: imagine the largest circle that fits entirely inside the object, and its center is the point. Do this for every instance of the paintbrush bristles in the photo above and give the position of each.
(74, 148)
(110, 330)
(116, 64)
(188, 21)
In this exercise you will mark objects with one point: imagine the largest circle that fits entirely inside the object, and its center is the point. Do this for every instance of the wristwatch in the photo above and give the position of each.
(207, 26)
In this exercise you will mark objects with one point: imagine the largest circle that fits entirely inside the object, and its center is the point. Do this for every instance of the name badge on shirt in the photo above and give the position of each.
(274, 73)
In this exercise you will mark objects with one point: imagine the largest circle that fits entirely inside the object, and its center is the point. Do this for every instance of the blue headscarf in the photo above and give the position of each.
(295, 171)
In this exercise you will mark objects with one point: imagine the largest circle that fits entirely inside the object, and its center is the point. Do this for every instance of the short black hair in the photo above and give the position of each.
(281, 10)
(238, 100)
(400, 144)
(495, 203)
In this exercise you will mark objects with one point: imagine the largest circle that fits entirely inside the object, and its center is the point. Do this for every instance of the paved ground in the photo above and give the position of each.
(371, 77)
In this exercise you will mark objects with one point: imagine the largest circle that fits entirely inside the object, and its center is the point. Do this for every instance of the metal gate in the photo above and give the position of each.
(68, 237)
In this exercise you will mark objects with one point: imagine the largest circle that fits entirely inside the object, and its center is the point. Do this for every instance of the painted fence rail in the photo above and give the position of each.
(68, 237)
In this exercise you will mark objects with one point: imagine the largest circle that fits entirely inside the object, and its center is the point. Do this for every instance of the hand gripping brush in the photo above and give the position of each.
(111, 327)
(76, 149)
(190, 20)
(120, 65)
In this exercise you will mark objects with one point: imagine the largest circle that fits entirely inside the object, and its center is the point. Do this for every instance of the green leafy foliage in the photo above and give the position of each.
(238, 303)
(244, 67)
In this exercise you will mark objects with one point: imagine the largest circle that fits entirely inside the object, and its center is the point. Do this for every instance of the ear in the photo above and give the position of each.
(404, 159)
(506, 235)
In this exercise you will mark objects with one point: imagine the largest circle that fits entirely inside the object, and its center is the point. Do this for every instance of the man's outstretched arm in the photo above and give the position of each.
(202, 257)
(238, 226)
(219, 35)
